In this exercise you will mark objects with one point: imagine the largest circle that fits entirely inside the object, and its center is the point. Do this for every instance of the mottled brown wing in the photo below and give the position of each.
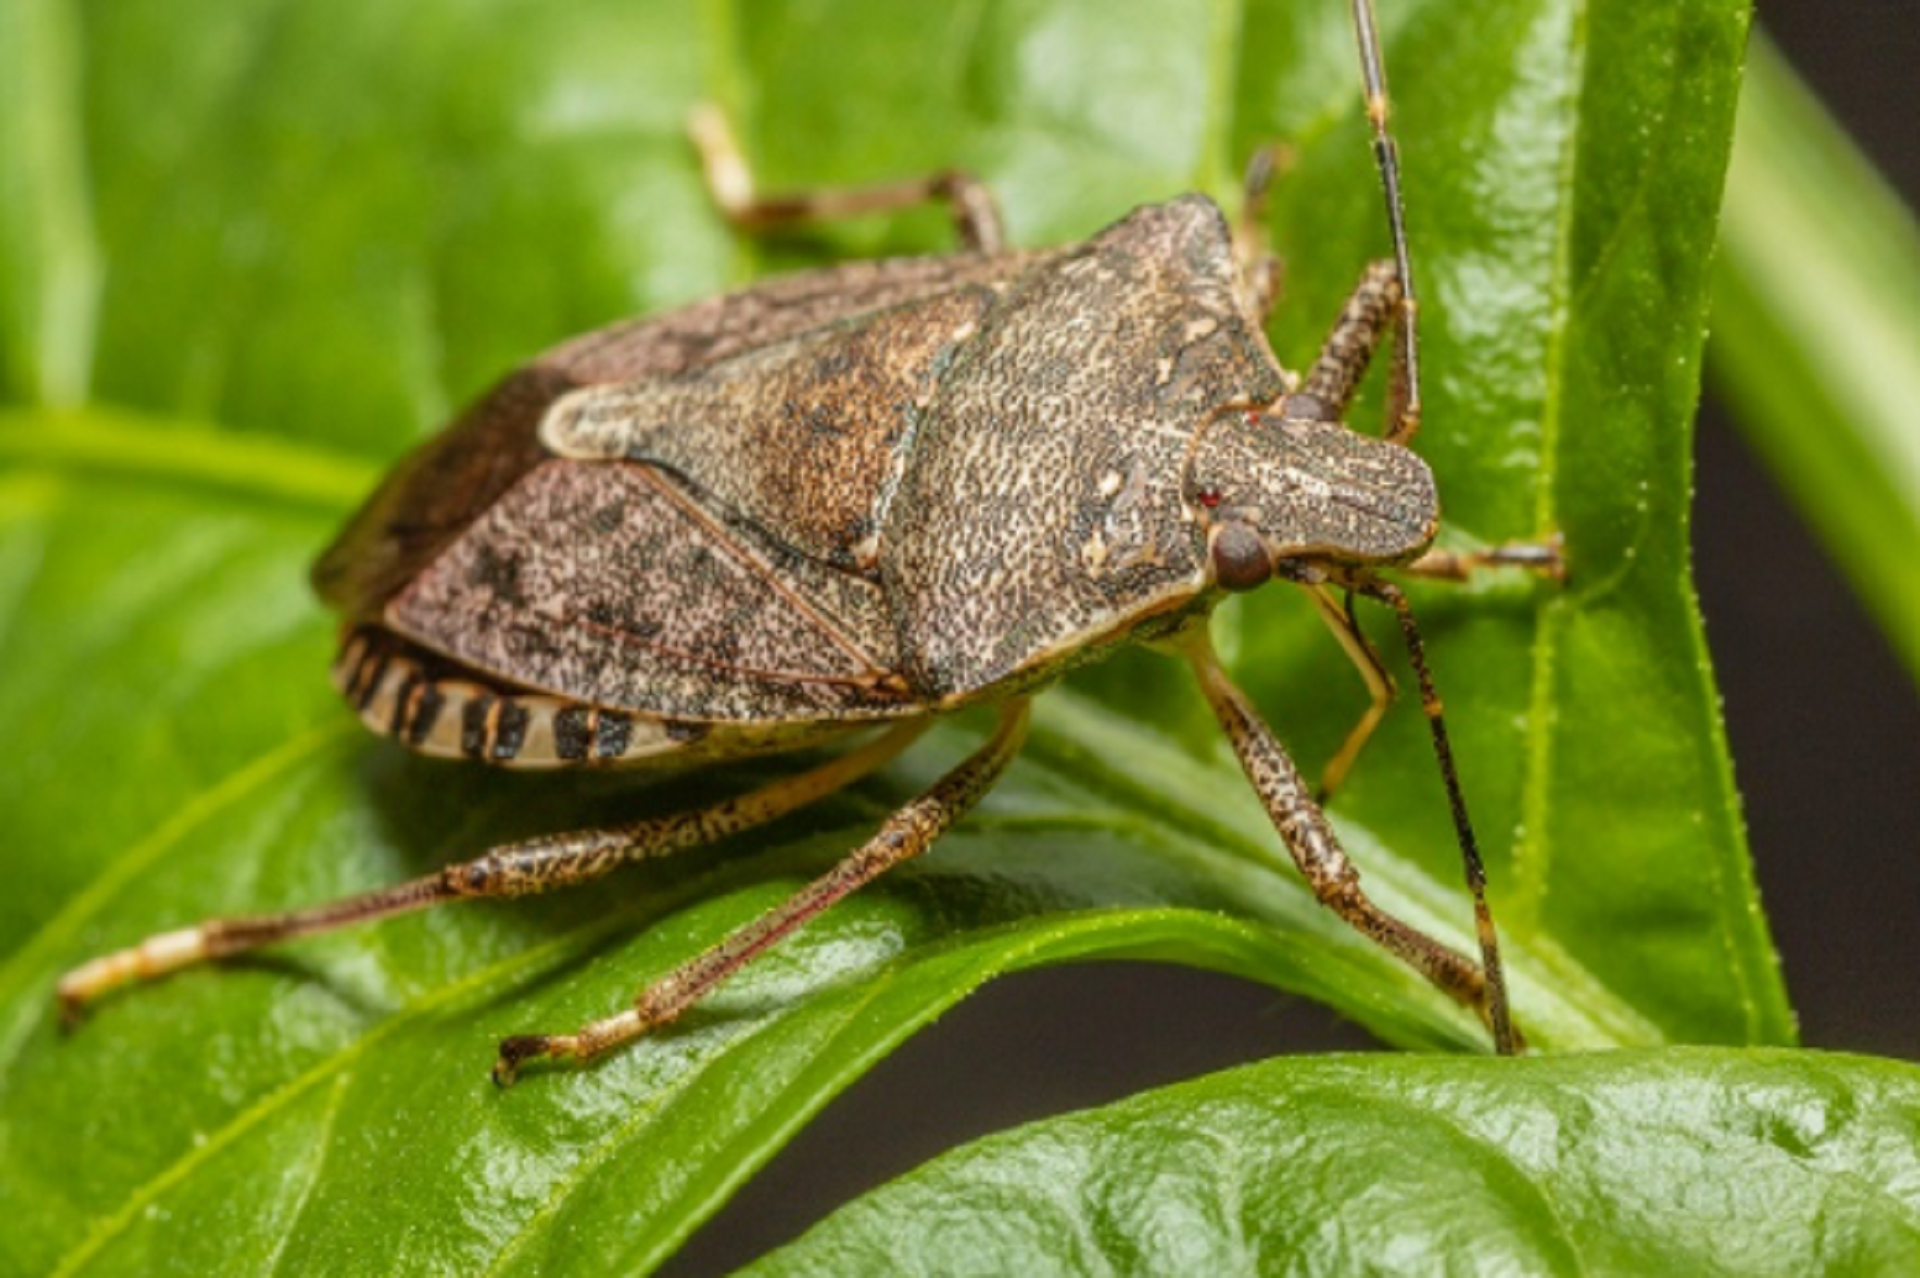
(804, 437)
(617, 584)
(772, 311)
(451, 479)
(435, 492)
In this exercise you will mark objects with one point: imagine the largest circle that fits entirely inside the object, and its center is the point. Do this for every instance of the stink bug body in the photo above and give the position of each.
(861, 497)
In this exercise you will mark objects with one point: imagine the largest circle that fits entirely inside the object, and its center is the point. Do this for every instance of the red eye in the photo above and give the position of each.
(1253, 418)
(1208, 497)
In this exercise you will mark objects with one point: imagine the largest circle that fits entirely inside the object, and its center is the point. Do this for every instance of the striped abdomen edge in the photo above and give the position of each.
(435, 709)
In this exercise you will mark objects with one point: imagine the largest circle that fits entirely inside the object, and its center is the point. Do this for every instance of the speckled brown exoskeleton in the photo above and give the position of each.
(857, 498)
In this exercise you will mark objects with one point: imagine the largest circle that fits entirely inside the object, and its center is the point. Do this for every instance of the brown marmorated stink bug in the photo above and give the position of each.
(863, 496)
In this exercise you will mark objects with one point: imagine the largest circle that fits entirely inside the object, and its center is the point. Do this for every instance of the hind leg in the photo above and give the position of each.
(906, 834)
(515, 869)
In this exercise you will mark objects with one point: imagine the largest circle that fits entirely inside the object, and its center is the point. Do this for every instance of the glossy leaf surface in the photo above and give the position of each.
(1677, 1161)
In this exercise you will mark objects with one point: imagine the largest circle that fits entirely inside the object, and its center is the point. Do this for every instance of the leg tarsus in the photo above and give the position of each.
(516, 1050)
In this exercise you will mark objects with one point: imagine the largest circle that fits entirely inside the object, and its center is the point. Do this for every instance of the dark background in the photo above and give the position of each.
(1825, 729)
(1824, 723)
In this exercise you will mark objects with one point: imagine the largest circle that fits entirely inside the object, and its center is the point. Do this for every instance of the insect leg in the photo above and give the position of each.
(1316, 850)
(1344, 356)
(515, 869)
(1346, 628)
(730, 179)
(1261, 270)
(1545, 557)
(906, 834)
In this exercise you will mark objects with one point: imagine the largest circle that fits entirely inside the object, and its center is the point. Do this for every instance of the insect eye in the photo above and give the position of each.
(1239, 559)
(1208, 497)
(1304, 407)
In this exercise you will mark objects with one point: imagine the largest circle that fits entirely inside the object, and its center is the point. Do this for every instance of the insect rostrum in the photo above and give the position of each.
(850, 500)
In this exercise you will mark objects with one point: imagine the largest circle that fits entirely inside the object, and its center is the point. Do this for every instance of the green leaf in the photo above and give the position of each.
(1676, 1161)
(265, 250)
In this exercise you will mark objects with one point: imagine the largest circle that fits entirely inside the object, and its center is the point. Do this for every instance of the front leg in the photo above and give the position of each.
(1545, 557)
(1316, 850)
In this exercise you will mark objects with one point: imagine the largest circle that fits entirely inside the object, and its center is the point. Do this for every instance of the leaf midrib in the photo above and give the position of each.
(1532, 855)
